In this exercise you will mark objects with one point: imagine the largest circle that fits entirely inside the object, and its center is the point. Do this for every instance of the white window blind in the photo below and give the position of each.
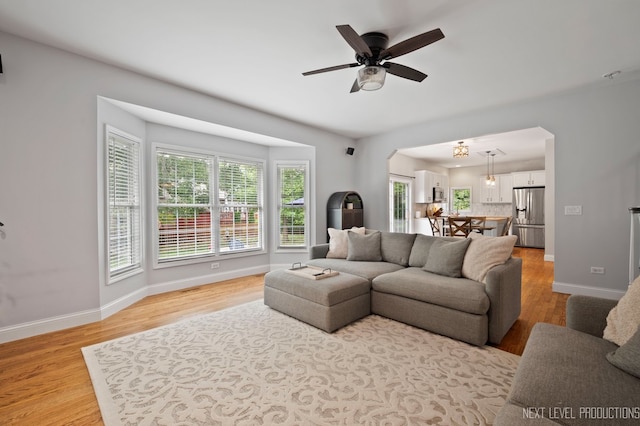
(240, 188)
(292, 207)
(124, 213)
(184, 204)
(207, 205)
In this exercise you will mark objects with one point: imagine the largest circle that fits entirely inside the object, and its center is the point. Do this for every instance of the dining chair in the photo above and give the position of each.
(478, 223)
(507, 226)
(435, 227)
(459, 226)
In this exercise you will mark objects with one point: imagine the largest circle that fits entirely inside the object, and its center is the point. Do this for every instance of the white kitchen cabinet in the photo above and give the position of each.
(422, 226)
(423, 187)
(505, 183)
(487, 193)
(440, 181)
(425, 181)
(533, 178)
(499, 193)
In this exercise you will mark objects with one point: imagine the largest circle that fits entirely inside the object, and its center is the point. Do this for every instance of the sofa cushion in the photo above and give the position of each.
(364, 247)
(460, 294)
(327, 292)
(396, 247)
(484, 253)
(627, 356)
(624, 318)
(567, 369)
(368, 270)
(446, 257)
(420, 250)
(339, 243)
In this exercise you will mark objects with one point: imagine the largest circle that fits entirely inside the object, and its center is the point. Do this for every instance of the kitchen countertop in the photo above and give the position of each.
(489, 218)
(497, 218)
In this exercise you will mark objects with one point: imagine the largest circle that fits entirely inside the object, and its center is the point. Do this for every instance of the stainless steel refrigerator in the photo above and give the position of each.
(528, 216)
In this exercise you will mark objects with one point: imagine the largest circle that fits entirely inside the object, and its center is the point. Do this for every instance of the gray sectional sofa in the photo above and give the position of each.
(424, 281)
(565, 375)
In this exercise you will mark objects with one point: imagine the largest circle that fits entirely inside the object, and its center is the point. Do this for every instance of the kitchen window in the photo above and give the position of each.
(461, 199)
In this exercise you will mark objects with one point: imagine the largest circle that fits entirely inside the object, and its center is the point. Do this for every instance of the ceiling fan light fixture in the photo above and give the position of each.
(371, 77)
(461, 150)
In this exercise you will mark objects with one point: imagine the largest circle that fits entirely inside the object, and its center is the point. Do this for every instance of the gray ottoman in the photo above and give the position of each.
(327, 304)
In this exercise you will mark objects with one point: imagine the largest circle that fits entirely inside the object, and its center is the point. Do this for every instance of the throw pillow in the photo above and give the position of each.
(420, 250)
(338, 243)
(446, 257)
(395, 247)
(624, 318)
(484, 253)
(364, 247)
(627, 356)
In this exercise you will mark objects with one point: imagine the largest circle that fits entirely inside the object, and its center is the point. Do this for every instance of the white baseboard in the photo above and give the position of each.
(549, 258)
(279, 266)
(48, 325)
(125, 301)
(205, 279)
(605, 293)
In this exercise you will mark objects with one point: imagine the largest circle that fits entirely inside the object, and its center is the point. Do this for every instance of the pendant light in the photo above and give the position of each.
(461, 150)
(493, 175)
(487, 180)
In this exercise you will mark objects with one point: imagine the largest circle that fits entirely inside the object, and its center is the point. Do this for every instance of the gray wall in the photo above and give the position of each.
(596, 165)
(50, 273)
(49, 194)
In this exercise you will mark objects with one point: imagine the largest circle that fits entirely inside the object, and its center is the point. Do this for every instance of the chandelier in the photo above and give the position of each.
(461, 150)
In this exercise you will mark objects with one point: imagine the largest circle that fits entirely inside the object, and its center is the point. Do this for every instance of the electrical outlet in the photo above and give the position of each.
(215, 265)
(597, 270)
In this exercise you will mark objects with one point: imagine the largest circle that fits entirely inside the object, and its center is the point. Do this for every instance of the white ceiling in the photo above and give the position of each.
(252, 52)
(521, 145)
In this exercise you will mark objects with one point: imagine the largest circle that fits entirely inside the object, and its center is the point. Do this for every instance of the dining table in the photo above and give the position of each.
(472, 228)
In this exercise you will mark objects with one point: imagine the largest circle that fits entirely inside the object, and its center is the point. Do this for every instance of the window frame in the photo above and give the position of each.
(214, 205)
(453, 200)
(136, 267)
(157, 205)
(292, 164)
(260, 197)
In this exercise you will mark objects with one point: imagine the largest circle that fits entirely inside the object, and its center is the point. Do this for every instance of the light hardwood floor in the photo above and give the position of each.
(44, 381)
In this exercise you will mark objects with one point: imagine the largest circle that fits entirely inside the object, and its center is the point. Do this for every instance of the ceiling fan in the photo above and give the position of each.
(372, 52)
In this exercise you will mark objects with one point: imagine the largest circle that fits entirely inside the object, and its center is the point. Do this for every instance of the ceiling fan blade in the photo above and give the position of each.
(404, 72)
(355, 41)
(355, 86)
(335, 68)
(411, 44)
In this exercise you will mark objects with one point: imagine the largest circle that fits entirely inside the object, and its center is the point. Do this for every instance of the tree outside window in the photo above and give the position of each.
(292, 205)
(461, 199)
(207, 205)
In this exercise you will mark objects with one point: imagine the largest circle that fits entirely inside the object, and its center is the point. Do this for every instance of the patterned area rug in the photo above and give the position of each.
(251, 365)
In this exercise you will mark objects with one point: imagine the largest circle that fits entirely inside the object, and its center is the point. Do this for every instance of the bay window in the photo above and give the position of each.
(207, 205)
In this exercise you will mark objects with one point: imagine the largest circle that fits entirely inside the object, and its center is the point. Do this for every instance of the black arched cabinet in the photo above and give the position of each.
(345, 210)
